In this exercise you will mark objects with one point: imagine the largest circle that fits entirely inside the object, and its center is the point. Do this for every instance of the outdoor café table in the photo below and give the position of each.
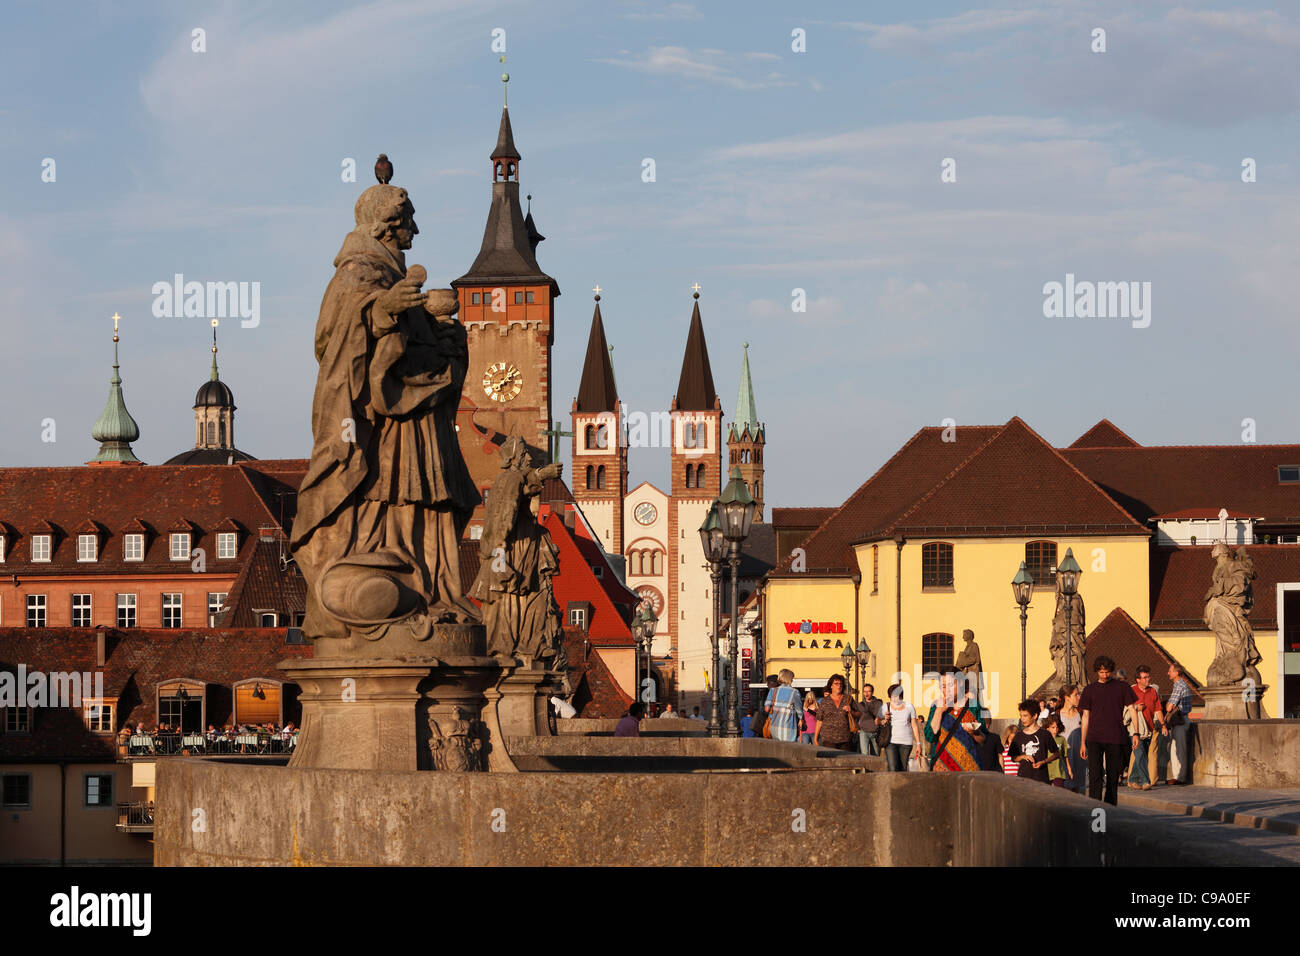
(141, 742)
(246, 740)
(192, 740)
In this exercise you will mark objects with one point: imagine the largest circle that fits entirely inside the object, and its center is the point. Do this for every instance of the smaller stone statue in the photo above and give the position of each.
(1075, 644)
(969, 662)
(517, 561)
(1227, 608)
(456, 742)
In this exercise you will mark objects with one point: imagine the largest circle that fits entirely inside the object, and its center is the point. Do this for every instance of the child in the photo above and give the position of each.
(1056, 770)
(1032, 747)
(1009, 766)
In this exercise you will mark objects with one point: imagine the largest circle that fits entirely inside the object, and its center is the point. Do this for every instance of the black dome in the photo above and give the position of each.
(214, 392)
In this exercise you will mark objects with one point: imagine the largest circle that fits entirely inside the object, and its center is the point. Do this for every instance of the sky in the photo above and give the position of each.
(916, 175)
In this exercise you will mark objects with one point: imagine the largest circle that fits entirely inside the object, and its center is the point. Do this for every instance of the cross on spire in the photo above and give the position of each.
(696, 289)
(597, 291)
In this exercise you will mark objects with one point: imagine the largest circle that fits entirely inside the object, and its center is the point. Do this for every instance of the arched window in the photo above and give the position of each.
(602, 436)
(221, 429)
(589, 437)
(936, 565)
(690, 475)
(591, 477)
(688, 435)
(936, 652)
(1040, 562)
(212, 433)
(600, 478)
(699, 476)
(656, 562)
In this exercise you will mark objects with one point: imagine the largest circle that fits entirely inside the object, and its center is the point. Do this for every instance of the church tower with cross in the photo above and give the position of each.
(746, 437)
(599, 478)
(507, 308)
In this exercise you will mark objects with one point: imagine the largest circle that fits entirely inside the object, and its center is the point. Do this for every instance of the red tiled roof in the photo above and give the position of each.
(1181, 576)
(161, 497)
(1104, 434)
(1156, 480)
(783, 518)
(595, 692)
(1015, 483)
(264, 584)
(1120, 638)
(136, 661)
(612, 604)
(914, 469)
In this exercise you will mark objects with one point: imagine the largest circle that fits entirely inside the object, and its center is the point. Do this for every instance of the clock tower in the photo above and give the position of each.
(506, 306)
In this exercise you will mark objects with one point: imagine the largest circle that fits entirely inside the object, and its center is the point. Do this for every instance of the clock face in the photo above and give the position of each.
(651, 594)
(645, 513)
(502, 382)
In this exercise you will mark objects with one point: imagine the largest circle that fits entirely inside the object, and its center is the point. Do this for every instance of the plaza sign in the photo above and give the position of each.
(809, 626)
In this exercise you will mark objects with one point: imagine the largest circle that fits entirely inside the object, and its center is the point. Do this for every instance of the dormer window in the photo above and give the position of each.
(40, 547)
(180, 546)
(1288, 474)
(133, 547)
(87, 547)
(227, 544)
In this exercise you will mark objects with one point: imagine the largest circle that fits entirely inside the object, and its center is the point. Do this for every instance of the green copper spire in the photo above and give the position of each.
(116, 429)
(746, 416)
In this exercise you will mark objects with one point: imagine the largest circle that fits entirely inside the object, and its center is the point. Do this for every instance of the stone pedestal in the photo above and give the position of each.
(361, 711)
(523, 701)
(1233, 702)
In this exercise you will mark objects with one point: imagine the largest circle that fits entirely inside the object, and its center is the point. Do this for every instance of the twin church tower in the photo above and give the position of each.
(507, 307)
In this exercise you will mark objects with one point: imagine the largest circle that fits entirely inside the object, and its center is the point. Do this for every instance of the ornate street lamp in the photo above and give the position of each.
(1022, 586)
(864, 659)
(846, 658)
(715, 552)
(735, 514)
(1067, 582)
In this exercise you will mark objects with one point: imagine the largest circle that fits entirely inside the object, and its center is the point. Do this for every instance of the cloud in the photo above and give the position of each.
(708, 65)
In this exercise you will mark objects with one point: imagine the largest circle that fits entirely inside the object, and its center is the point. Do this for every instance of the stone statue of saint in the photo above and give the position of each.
(1227, 606)
(968, 661)
(517, 561)
(1075, 643)
(387, 493)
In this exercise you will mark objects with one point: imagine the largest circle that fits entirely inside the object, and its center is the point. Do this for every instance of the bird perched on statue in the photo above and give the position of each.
(383, 169)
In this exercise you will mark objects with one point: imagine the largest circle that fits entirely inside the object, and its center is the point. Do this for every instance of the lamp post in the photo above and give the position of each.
(847, 658)
(864, 659)
(1022, 586)
(715, 552)
(1067, 581)
(736, 514)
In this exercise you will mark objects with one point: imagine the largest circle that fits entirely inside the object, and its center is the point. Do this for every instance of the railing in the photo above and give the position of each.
(168, 745)
(135, 817)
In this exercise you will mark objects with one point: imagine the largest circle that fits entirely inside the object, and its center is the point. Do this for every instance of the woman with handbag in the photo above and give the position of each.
(837, 719)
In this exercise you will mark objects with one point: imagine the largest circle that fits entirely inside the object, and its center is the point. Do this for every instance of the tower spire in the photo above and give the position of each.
(214, 351)
(596, 391)
(115, 429)
(695, 391)
(746, 418)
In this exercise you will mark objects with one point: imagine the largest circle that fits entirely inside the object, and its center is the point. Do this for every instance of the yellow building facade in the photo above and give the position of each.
(894, 620)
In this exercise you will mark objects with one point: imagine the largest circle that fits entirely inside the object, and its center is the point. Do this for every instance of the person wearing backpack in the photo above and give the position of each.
(782, 708)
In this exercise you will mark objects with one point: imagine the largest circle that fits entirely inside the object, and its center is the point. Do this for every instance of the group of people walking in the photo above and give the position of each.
(1085, 740)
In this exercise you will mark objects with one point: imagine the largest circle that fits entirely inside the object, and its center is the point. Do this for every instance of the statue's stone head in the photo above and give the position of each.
(387, 212)
(968, 635)
(514, 453)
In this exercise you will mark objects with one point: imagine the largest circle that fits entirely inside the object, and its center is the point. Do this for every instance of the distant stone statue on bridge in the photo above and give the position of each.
(1227, 608)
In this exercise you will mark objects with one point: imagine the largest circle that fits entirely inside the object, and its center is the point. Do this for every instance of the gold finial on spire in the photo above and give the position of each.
(116, 318)
(505, 81)
(696, 289)
(597, 291)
